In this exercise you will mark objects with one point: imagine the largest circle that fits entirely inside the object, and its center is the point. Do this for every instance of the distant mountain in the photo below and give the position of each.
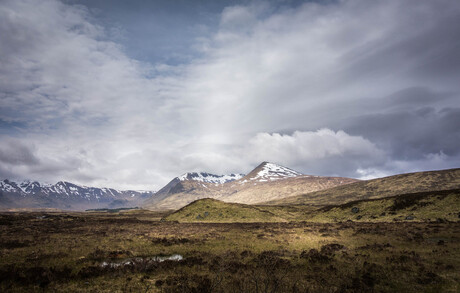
(66, 195)
(379, 188)
(191, 183)
(268, 181)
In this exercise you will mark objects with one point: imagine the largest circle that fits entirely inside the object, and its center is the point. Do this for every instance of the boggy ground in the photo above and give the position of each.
(57, 252)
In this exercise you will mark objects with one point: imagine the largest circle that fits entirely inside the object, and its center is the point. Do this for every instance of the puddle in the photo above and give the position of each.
(140, 260)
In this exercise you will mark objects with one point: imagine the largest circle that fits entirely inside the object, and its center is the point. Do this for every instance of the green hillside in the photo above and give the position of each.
(211, 210)
(423, 206)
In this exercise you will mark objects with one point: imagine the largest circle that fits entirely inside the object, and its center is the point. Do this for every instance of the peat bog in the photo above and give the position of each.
(66, 252)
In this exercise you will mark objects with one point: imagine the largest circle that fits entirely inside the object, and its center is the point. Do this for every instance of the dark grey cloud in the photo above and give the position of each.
(14, 152)
(412, 134)
(424, 45)
(131, 94)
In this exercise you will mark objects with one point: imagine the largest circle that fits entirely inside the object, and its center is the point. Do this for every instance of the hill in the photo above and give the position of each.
(420, 206)
(215, 211)
(266, 182)
(379, 188)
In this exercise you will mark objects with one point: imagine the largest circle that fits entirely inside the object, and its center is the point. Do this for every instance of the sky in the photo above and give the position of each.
(130, 94)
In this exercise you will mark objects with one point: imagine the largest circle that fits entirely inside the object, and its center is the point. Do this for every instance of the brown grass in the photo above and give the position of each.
(379, 188)
(63, 252)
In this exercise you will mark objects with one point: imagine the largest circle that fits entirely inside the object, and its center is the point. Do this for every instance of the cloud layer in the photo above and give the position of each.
(350, 88)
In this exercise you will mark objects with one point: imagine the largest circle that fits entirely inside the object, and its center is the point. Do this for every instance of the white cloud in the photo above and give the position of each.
(92, 115)
(317, 152)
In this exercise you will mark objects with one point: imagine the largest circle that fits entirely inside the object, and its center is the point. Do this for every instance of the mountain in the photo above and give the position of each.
(379, 188)
(65, 195)
(269, 172)
(195, 185)
(266, 182)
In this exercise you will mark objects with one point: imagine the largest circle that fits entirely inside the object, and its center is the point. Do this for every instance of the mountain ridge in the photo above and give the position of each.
(65, 195)
(209, 178)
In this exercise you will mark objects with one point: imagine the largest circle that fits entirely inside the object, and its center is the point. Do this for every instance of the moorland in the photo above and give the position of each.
(395, 234)
(140, 251)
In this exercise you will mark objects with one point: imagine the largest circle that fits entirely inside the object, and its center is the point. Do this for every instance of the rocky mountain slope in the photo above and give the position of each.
(65, 195)
(379, 188)
(266, 182)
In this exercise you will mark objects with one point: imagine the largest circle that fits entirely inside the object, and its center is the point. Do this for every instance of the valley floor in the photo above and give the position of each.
(120, 252)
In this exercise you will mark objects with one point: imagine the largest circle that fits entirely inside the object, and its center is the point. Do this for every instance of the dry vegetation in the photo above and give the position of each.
(379, 188)
(58, 252)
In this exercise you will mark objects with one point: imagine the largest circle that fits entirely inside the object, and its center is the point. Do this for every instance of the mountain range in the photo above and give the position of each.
(267, 184)
(66, 195)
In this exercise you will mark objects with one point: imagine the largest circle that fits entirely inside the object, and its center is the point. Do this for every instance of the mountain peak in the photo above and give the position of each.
(29, 186)
(267, 171)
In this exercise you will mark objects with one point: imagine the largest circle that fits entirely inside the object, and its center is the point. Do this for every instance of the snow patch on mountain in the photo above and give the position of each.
(210, 178)
(8, 186)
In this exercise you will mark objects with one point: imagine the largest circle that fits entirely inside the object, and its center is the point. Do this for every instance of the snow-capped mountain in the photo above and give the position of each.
(210, 178)
(269, 172)
(202, 183)
(65, 195)
(266, 182)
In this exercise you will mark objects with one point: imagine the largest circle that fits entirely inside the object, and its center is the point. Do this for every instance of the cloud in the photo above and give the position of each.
(323, 152)
(59, 70)
(14, 152)
(378, 78)
(411, 134)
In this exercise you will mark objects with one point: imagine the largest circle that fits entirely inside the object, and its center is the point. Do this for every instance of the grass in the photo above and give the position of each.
(63, 252)
(215, 211)
(422, 206)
